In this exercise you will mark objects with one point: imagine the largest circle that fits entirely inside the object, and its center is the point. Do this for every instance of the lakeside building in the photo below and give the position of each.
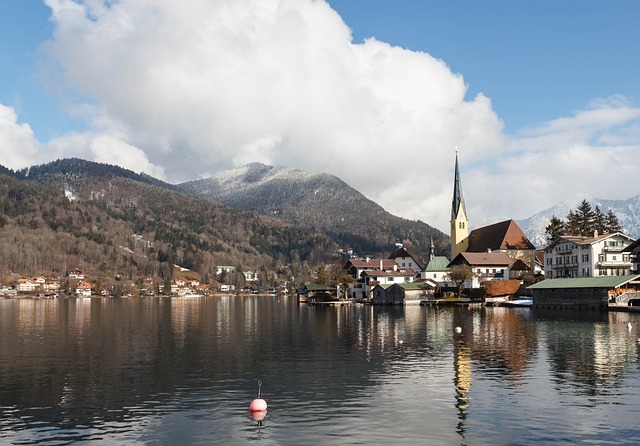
(592, 292)
(580, 256)
(411, 293)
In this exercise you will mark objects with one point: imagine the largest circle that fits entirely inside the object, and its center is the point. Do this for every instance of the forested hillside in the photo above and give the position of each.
(320, 202)
(114, 226)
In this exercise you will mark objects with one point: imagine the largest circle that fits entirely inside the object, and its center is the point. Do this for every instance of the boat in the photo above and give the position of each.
(519, 302)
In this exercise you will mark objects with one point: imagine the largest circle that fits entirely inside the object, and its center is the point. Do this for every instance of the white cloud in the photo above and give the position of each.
(200, 86)
(183, 89)
(18, 146)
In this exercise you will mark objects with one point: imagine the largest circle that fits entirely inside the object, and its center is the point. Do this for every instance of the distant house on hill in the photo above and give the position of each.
(83, 289)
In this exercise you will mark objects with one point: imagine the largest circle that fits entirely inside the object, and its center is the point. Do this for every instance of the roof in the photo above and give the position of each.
(584, 282)
(585, 240)
(415, 285)
(371, 263)
(402, 252)
(632, 246)
(482, 259)
(395, 273)
(319, 287)
(504, 235)
(437, 263)
(519, 265)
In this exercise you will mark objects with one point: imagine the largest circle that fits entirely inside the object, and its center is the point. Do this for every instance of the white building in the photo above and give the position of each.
(580, 256)
(484, 265)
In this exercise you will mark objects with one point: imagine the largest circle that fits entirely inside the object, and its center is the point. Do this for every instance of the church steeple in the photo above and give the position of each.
(457, 205)
(459, 222)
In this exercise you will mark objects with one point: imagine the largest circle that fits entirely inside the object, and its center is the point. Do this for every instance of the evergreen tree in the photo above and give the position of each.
(555, 229)
(599, 221)
(572, 225)
(585, 218)
(612, 223)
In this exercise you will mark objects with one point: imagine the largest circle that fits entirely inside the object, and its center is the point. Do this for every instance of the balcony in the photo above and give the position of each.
(613, 248)
(565, 265)
(614, 264)
(564, 249)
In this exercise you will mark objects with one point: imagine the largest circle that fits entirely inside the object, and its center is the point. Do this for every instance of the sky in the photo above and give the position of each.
(541, 100)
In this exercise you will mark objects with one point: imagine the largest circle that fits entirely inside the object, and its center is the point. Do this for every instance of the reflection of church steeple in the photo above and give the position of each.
(462, 381)
(459, 222)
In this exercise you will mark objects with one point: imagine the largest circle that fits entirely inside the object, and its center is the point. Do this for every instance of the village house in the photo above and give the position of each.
(250, 276)
(370, 272)
(26, 286)
(484, 265)
(580, 256)
(404, 259)
(83, 289)
(75, 274)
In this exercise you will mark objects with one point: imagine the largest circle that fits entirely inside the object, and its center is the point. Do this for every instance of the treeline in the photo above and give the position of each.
(584, 221)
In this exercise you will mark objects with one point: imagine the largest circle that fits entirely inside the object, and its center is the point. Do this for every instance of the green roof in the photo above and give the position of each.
(584, 282)
(319, 287)
(438, 263)
(415, 286)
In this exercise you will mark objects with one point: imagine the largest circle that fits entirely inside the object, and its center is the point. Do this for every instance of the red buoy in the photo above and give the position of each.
(258, 404)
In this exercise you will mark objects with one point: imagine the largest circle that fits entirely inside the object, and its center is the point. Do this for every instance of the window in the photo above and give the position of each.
(600, 257)
(614, 258)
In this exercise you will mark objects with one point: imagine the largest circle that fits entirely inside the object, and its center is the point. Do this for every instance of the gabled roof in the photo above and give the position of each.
(482, 259)
(370, 263)
(519, 265)
(437, 263)
(402, 252)
(585, 240)
(319, 287)
(408, 272)
(499, 236)
(585, 282)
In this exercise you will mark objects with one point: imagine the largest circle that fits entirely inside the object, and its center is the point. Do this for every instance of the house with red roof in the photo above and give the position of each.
(485, 266)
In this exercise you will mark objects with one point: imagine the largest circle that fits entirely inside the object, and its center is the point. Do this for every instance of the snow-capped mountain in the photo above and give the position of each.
(628, 212)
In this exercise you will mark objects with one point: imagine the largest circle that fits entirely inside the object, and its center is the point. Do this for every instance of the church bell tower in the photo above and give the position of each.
(459, 222)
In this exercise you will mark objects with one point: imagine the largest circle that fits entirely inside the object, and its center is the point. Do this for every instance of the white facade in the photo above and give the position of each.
(577, 256)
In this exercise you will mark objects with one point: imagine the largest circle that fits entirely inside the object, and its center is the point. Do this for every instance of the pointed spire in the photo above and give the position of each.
(432, 250)
(458, 200)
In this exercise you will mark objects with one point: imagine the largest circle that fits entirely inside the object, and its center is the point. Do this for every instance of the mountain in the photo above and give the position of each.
(320, 202)
(628, 212)
(111, 222)
(76, 166)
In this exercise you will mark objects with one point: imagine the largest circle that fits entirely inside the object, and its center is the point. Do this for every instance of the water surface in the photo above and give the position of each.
(184, 370)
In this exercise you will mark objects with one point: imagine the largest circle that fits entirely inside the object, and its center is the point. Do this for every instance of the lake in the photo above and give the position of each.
(167, 371)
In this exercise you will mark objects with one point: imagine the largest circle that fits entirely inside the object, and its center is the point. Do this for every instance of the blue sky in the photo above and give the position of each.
(541, 98)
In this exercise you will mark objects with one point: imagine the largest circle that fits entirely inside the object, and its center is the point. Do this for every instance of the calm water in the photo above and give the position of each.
(183, 371)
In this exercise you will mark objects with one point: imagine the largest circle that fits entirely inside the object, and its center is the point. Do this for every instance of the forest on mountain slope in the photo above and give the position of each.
(118, 228)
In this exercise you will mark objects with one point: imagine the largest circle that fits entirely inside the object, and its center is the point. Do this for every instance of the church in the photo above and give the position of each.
(503, 237)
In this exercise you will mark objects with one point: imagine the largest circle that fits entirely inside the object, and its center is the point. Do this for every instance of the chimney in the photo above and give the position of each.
(489, 250)
(595, 233)
(381, 267)
(367, 259)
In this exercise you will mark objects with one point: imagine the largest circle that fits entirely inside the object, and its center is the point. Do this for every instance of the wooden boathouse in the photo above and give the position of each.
(591, 292)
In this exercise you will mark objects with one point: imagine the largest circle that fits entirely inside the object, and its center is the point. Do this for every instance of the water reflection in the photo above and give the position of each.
(184, 371)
